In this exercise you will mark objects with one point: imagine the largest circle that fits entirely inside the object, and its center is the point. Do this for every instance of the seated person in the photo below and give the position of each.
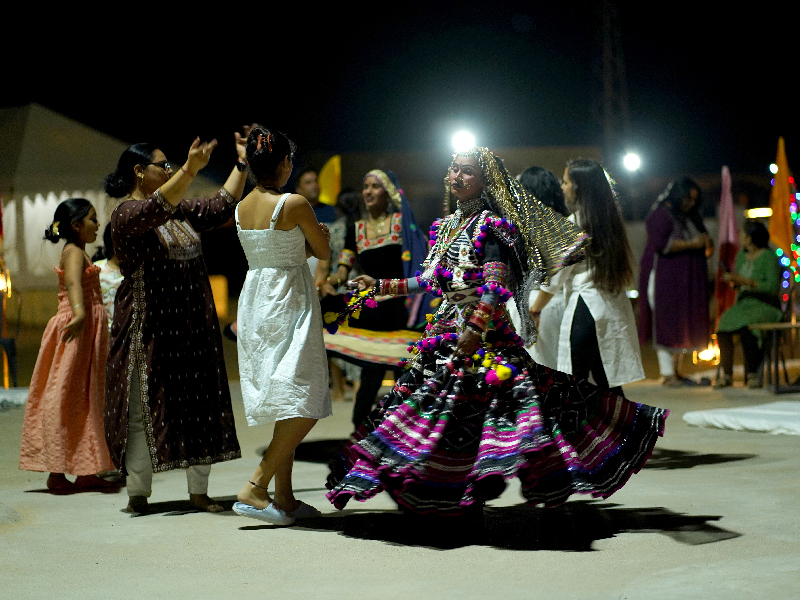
(757, 276)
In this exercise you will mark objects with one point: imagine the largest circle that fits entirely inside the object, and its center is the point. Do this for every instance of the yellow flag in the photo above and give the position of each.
(781, 231)
(330, 180)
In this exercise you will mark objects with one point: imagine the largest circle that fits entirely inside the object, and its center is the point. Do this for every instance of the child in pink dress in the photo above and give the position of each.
(63, 427)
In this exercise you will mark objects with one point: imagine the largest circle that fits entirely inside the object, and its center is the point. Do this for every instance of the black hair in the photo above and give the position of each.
(349, 203)
(674, 195)
(545, 186)
(122, 181)
(758, 233)
(72, 210)
(106, 251)
(609, 253)
(266, 150)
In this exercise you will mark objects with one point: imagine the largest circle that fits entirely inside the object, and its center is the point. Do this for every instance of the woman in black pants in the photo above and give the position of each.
(597, 335)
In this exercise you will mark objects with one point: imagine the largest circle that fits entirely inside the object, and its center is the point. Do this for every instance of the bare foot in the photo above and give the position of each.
(288, 504)
(137, 504)
(254, 496)
(203, 502)
(58, 482)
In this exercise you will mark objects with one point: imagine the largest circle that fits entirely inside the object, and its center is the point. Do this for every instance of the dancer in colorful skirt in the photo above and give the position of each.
(472, 409)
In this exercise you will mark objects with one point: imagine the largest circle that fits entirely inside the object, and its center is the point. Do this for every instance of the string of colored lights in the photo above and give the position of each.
(790, 264)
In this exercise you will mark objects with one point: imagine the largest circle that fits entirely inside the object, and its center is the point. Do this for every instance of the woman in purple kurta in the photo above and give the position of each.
(168, 403)
(673, 280)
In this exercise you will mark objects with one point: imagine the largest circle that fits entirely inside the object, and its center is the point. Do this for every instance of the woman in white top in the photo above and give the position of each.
(598, 334)
(282, 360)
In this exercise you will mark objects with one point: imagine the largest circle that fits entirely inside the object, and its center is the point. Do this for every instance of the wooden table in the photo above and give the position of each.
(776, 329)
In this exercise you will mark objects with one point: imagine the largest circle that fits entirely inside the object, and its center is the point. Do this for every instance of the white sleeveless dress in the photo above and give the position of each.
(283, 366)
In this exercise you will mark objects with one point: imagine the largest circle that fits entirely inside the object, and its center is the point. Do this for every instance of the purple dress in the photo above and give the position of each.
(681, 287)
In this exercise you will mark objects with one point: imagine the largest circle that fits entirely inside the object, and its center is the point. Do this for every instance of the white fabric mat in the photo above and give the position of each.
(775, 417)
(13, 397)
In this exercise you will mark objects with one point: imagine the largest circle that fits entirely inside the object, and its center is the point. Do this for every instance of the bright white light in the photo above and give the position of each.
(773, 168)
(463, 140)
(632, 161)
(758, 213)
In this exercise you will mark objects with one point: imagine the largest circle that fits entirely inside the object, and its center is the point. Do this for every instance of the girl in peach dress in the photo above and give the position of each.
(63, 428)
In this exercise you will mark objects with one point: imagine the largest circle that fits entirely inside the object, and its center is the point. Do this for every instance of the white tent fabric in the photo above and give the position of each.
(46, 158)
(775, 417)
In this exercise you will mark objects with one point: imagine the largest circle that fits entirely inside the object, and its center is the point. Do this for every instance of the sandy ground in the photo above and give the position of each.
(713, 515)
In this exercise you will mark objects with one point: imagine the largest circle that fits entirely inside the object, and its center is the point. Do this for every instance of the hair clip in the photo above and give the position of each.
(268, 139)
(54, 228)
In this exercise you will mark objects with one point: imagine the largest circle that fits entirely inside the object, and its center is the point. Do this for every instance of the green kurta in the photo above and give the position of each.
(751, 306)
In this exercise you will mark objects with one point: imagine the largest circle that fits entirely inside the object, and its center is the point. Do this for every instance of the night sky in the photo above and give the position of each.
(705, 87)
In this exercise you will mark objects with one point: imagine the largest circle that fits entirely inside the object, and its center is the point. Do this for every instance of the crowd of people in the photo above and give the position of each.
(514, 312)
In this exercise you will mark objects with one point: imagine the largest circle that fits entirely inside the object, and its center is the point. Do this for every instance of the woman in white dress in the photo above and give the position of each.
(282, 360)
(597, 335)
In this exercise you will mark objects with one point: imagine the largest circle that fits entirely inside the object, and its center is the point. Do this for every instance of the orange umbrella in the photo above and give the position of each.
(781, 228)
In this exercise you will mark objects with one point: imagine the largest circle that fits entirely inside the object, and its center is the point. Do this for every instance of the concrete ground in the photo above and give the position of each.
(714, 514)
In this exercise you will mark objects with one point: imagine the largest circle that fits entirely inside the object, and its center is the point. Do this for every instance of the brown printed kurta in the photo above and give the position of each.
(165, 325)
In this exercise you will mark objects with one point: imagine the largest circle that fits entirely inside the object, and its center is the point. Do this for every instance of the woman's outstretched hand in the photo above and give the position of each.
(199, 155)
(241, 141)
(362, 282)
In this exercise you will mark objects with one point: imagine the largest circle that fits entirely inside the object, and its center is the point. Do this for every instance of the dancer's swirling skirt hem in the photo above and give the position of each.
(445, 440)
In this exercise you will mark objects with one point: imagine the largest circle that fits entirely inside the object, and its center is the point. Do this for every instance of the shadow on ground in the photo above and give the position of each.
(573, 527)
(680, 459)
(318, 451)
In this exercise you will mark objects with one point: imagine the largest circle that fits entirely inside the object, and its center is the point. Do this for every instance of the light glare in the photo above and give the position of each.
(632, 161)
(773, 168)
(463, 140)
(758, 213)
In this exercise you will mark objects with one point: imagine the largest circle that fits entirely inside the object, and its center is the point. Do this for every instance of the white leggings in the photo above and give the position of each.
(139, 481)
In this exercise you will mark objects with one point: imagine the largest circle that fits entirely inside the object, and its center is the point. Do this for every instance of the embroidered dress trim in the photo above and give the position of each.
(162, 202)
(138, 360)
(394, 237)
(229, 199)
(181, 240)
(347, 258)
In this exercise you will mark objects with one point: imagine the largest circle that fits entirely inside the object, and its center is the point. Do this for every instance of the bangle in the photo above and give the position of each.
(241, 165)
(186, 171)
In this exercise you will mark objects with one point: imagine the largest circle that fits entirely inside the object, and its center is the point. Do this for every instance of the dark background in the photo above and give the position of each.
(706, 86)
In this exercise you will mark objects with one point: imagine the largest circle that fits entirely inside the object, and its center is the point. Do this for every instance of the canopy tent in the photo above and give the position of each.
(45, 158)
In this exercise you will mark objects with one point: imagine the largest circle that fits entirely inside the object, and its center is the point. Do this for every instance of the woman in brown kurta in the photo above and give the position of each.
(168, 403)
